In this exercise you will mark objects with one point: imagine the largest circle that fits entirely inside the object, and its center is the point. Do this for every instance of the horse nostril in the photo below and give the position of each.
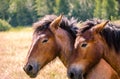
(30, 68)
(71, 75)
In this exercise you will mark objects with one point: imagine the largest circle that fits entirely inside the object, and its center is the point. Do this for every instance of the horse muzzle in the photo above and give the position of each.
(75, 73)
(31, 69)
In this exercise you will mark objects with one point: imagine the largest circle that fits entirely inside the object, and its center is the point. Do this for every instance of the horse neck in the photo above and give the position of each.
(110, 54)
(113, 59)
(66, 47)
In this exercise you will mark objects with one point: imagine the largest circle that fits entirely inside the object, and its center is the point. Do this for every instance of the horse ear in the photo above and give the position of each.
(55, 23)
(99, 27)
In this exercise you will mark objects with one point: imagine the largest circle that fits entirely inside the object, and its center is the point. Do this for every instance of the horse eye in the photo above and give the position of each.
(84, 44)
(44, 41)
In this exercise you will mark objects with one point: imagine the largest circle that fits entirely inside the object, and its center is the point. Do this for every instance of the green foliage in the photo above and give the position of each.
(106, 9)
(22, 12)
(52, 7)
(25, 12)
(64, 7)
(4, 26)
(41, 7)
(97, 10)
(82, 9)
(4, 5)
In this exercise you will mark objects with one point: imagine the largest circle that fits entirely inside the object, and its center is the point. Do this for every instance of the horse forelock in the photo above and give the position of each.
(43, 23)
(66, 24)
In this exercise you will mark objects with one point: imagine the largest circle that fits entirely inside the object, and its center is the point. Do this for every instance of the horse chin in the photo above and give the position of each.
(80, 77)
(33, 76)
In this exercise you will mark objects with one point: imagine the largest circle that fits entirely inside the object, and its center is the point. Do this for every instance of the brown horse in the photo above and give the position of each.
(53, 38)
(95, 41)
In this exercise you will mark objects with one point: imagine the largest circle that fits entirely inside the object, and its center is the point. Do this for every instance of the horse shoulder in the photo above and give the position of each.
(102, 71)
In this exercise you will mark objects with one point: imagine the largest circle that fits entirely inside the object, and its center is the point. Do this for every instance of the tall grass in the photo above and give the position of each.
(14, 45)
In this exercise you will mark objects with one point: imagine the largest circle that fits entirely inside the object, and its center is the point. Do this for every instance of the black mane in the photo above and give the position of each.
(66, 24)
(111, 33)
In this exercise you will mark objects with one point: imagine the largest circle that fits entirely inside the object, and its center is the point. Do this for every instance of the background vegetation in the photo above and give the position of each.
(25, 12)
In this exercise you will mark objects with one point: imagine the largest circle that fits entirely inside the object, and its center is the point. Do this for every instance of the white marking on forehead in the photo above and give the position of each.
(81, 39)
(42, 35)
(78, 41)
(34, 42)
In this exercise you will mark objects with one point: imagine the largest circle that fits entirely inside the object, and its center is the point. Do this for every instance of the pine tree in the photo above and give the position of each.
(21, 12)
(64, 7)
(106, 9)
(4, 6)
(97, 10)
(41, 7)
(82, 9)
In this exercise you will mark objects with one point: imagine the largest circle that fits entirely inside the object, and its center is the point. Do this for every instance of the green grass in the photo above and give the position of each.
(21, 28)
(14, 45)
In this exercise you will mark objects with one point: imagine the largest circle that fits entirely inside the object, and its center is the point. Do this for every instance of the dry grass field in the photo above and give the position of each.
(14, 45)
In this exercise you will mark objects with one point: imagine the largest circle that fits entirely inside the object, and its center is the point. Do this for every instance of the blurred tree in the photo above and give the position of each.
(30, 4)
(104, 9)
(25, 12)
(119, 8)
(52, 7)
(41, 7)
(4, 5)
(82, 9)
(22, 12)
(97, 10)
(64, 7)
